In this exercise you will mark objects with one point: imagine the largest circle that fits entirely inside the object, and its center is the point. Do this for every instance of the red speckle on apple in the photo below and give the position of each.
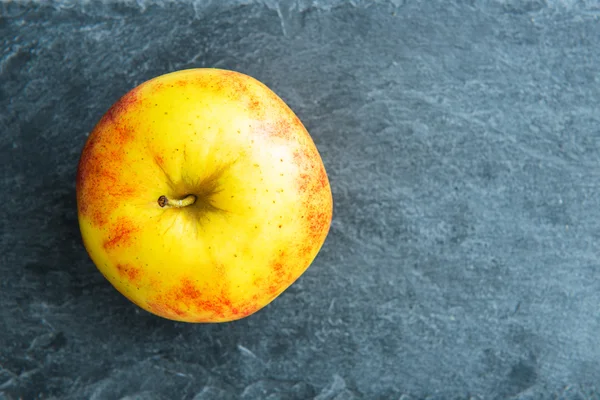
(278, 271)
(96, 180)
(306, 250)
(316, 220)
(272, 289)
(279, 265)
(230, 83)
(121, 106)
(254, 106)
(190, 296)
(86, 164)
(303, 182)
(98, 216)
(248, 310)
(99, 187)
(307, 180)
(323, 180)
(121, 234)
(187, 296)
(129, 272)
(160, 161)
(123, 134)
(284, 129)
(155, 87)
(166, 310)
(188, 291)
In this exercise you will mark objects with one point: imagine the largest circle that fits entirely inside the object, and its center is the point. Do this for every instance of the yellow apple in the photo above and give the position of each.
(201, 196)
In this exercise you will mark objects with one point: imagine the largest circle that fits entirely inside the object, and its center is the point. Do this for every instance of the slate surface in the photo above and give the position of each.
(462, 142)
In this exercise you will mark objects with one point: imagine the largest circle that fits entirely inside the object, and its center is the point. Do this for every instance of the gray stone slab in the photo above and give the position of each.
(462, 143)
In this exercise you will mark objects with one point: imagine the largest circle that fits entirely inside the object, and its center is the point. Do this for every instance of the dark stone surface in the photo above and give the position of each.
(463, 145)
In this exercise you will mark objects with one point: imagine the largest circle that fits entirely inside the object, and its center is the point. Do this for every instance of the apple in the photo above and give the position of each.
(201, 196)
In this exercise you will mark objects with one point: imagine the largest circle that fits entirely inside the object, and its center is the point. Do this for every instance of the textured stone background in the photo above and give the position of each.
(462, 141)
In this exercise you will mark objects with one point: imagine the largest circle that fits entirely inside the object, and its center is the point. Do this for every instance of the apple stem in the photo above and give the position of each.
(165, 202)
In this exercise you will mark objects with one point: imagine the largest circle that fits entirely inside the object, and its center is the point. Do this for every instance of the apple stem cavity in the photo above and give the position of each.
(165, 202)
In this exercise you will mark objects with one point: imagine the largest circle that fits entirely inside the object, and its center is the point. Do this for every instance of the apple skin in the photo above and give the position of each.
(263, 203)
